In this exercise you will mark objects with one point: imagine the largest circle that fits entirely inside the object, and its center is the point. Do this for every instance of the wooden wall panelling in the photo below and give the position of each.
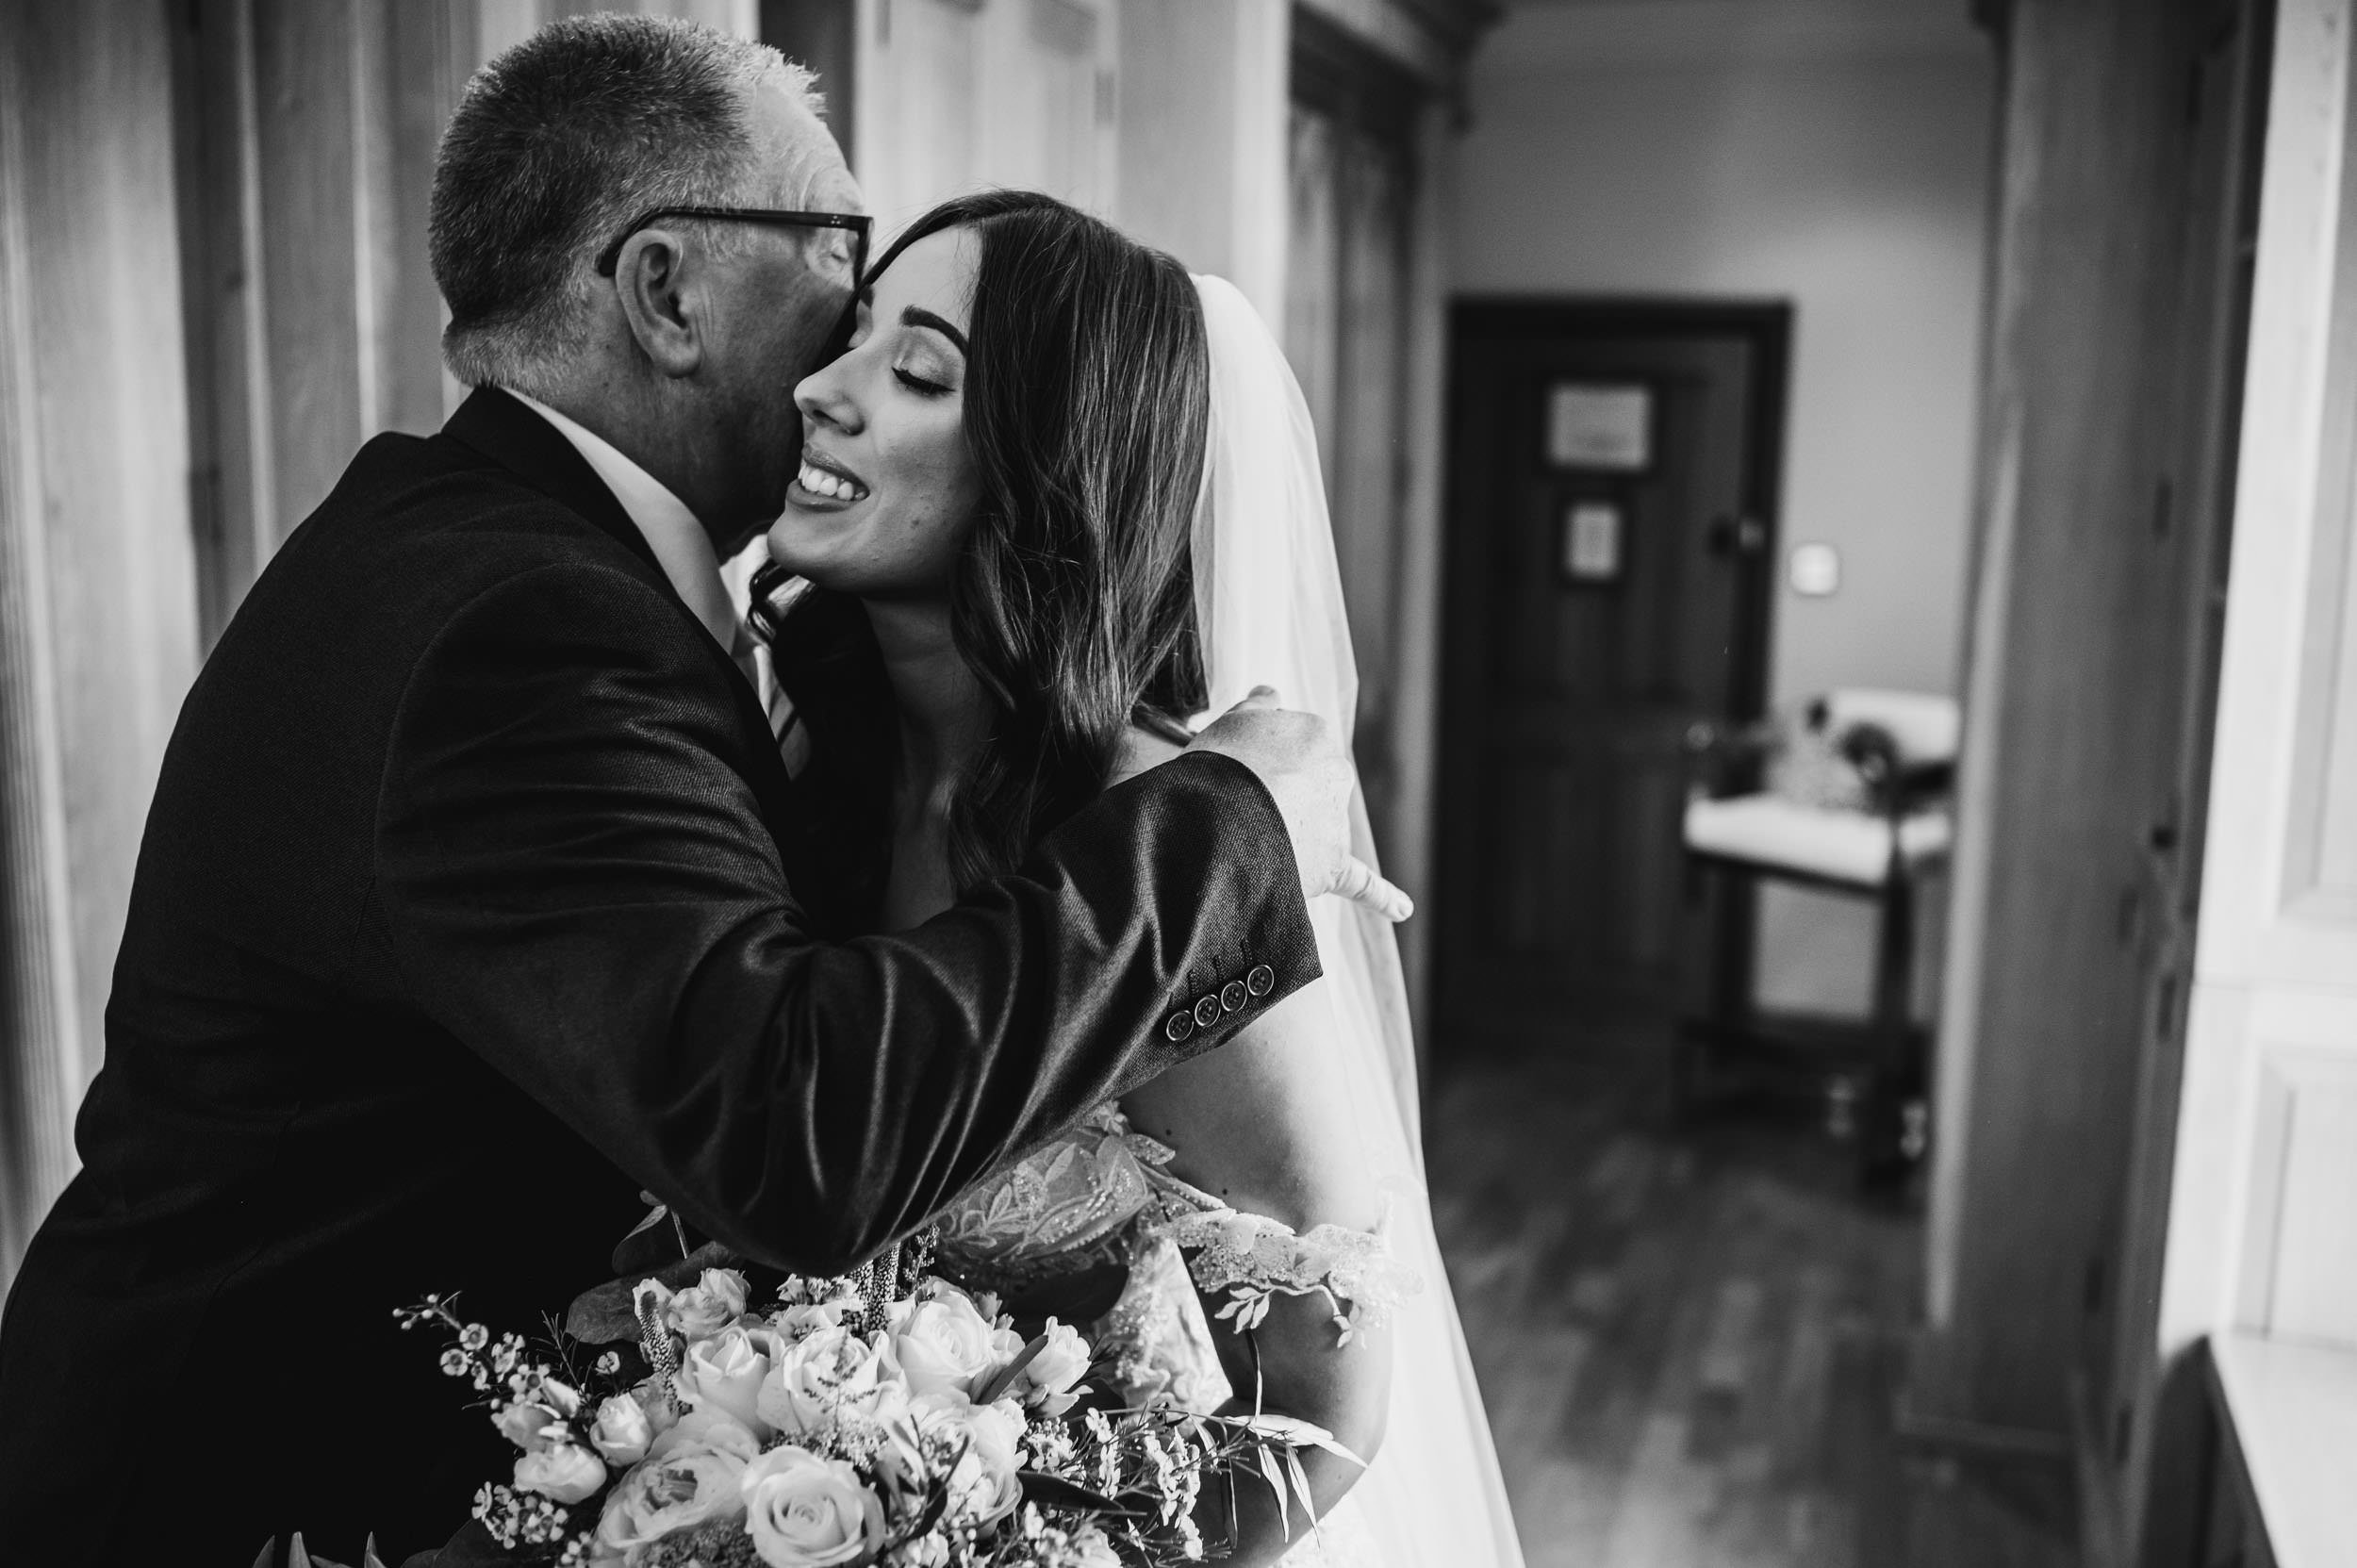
(1407, 850)
(311, 131)
(230, 430)
(1373, 89)
(2068, 754)
(308, 135)
(824, 35)
(956, 96)
(41, 1053)
(2298, 1274)
(1202, 106)
(1349, 327)
(98, 596)
(317, 323)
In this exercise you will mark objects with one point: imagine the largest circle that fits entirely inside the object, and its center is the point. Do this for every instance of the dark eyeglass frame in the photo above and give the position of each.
(861, 226)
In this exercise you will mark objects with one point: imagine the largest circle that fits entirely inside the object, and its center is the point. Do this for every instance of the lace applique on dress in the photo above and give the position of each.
(1063, 1209)
(1255, 1258)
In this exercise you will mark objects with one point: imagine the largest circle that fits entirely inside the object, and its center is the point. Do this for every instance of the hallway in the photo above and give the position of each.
(1690, 1341)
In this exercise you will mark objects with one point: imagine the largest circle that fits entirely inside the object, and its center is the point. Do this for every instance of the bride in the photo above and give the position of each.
(1058, 498)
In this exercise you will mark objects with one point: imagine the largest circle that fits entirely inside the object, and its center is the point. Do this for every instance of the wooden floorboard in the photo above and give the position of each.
(1691, 1335)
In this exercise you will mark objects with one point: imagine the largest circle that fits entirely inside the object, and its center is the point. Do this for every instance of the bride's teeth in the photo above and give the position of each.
(819, 482)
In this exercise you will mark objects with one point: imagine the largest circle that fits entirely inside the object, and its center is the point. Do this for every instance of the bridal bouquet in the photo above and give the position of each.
(850, 1423)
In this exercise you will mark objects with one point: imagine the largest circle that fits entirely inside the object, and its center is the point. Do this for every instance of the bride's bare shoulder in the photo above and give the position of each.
(1142, 748)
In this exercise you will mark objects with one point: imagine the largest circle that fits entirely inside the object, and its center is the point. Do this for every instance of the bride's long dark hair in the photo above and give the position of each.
(1086, 396)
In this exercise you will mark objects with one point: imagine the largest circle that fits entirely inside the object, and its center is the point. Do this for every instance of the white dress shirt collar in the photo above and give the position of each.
(681, 546)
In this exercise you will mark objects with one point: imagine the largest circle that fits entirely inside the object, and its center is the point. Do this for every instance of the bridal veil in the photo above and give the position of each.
(1268, 597)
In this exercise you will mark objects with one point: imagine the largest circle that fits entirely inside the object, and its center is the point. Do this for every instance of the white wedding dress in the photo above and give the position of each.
(1269, 603)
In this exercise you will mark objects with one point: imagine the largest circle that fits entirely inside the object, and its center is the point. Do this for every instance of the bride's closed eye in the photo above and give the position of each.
(920, 379)
(922, 363)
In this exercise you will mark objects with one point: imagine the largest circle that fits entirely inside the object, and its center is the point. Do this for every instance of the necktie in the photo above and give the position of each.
(752, 656)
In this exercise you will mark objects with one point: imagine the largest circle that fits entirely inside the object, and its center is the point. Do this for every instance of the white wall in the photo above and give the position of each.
(1843, 164)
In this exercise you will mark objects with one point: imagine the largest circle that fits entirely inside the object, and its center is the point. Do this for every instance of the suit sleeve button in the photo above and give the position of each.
(1261, 981)
(1181, 1024)
(1231, 997)
(1207, 1012)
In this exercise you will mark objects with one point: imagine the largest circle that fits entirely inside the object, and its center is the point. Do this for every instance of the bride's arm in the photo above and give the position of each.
(1259, 1125)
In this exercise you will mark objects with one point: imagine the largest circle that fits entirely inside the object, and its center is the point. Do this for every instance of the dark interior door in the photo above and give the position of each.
(1612, 478)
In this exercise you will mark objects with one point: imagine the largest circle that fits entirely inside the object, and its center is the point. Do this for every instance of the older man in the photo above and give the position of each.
(467, 905)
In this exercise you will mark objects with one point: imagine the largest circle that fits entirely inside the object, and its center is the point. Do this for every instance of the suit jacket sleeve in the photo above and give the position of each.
(574, 881)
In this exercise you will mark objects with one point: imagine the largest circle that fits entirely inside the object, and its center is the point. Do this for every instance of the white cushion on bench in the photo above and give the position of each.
(1925, 728)
(1845, 846)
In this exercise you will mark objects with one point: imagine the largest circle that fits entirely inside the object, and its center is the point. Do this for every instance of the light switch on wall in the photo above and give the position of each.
(1813, 569)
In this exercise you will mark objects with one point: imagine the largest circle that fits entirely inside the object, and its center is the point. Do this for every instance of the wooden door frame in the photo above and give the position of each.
(1767, 325)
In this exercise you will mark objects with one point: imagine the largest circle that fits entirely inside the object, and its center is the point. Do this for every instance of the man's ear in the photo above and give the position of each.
(652, 278)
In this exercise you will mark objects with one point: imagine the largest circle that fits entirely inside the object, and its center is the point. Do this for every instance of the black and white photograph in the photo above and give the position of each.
(1113, 783)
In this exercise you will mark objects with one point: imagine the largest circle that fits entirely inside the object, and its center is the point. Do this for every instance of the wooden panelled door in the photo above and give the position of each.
(1612, 479)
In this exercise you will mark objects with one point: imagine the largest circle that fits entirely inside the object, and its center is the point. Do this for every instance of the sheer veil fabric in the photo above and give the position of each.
(1269, 603)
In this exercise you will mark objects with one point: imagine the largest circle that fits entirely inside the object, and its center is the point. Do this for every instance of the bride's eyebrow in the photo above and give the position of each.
(918, 316)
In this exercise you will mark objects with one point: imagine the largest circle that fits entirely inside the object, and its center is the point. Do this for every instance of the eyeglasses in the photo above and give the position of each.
(859, 225)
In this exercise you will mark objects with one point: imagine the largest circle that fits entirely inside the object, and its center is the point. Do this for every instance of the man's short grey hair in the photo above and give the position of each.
(560, 141)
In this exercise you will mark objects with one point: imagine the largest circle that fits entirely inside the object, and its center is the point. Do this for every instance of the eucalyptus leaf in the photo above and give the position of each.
(606, 1315)
(1301, 1434)
(1301, 1484)
(1276, 1484)
(995, 1389)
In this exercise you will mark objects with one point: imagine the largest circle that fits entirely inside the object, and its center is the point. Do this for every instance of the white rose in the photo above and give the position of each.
(689, 1483)
(944, 1343)
(1093, 1549)
(656, 1397)
(725, 1373)
(708, 1306)
(803, 1512)
(833, 1372)
(529, 1425)
(983, 1487)
(1049, 1378)
(926, 1551)
(715, 1430)
(565, 1472)
(799, 1323)
(622, 1431)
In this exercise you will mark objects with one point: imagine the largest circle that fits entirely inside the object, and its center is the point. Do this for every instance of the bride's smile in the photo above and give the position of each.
(830, 485)
(887, 489)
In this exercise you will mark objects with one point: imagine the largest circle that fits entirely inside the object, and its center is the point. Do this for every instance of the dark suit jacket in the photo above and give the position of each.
(466, 909)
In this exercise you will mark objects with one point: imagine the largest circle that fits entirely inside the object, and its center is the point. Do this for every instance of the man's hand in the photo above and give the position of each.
(1295, 755)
